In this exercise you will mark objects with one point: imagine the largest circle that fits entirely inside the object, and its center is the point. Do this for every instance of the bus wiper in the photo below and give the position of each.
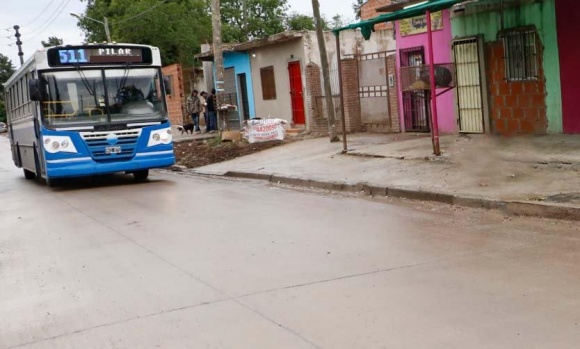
(85, 80)
(125, 76)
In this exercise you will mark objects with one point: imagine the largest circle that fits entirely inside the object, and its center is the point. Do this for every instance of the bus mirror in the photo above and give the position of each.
(34, 90)
(167, 84)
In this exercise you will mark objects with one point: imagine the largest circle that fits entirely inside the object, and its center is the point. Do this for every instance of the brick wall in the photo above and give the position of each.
(516, 107)
(176, 101)
(350, 85)
(393, 94)
(368, 11)
(319, 123)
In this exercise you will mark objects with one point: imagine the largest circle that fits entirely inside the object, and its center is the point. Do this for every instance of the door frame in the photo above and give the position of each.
(298, 63)
(482, 81)
(418, 98)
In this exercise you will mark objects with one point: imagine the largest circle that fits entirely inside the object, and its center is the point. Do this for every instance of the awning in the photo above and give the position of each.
(368, 26)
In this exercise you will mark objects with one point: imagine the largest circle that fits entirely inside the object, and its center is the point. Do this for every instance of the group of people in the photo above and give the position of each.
(202, 104)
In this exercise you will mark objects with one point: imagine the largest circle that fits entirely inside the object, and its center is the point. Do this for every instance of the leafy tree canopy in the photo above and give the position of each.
(356, 6)
(6, 71)
(297, 21)
(244, 20)
(177, 27)
(52, 41)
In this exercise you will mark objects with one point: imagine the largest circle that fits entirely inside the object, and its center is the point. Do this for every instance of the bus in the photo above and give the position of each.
(87, 110)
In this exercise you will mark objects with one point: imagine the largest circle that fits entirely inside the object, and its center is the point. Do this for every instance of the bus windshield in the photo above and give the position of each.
(101, 96)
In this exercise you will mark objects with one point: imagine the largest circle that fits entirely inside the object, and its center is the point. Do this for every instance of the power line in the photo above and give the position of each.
(51, 17)
(66, 2)
(142, 13)
(41, 12)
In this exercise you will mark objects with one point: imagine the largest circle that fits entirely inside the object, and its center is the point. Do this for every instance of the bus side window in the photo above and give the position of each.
(34, 90)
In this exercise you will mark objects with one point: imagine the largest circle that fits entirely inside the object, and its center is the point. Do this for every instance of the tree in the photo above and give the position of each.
(177, 27)
(6, 71)
(52, 41)
(296, 21)
(357, 6)
(337, 22)
(245, 20)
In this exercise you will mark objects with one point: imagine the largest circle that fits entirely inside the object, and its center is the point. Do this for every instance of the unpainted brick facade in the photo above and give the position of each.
(176, 100)
(368, 11)
(314, 87)
(517, 107)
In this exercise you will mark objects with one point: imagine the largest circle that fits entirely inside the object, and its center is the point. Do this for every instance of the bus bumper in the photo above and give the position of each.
(78, 167)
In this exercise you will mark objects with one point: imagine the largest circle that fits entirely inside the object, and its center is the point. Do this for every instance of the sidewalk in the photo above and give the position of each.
(523, 175)
(186, 137)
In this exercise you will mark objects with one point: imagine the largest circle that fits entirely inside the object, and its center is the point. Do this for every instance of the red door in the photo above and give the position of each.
(296, 93)
(567, 12)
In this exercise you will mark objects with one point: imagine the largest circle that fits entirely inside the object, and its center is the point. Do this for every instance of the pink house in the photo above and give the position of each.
(411, 38)
(412, 50)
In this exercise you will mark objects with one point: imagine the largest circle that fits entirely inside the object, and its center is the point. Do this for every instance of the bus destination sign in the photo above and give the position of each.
(62, 56)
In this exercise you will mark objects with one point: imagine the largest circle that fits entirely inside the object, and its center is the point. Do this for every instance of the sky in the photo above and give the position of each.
(39, 19)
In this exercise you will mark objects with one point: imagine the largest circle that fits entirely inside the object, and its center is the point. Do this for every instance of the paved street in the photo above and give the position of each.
(196, 262)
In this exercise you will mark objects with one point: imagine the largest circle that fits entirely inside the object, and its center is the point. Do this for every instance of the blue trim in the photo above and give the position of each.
(83, 163)
(241, 63)
(90, 167)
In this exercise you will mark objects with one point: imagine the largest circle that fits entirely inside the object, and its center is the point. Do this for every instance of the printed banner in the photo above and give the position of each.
(257, 131)
(418, 25)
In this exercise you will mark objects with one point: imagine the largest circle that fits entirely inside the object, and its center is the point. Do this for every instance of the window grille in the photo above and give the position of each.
(521, 54)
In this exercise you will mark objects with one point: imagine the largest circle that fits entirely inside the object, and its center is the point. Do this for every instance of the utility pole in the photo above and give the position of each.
(218, 56)
(107, 32)
(325, 72)
(19, 44)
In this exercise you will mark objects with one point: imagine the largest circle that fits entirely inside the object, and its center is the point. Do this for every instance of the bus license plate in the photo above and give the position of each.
(113, 150)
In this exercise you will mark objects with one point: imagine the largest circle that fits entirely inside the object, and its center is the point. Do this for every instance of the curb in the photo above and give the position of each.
(516, 208)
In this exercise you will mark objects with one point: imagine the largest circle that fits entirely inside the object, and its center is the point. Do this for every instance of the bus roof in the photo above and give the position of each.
(38, 60)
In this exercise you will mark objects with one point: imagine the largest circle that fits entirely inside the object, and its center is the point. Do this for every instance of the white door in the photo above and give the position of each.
(469, 89)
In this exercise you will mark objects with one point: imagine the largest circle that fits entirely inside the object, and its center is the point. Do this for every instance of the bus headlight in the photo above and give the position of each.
(57, 144)
(162, 136)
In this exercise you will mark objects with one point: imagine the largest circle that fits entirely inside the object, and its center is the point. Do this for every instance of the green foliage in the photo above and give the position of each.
(244, 20)
(356, 6)
(337, 22)
(6, 71)
(2, 112)
(296, 21)
(52, 41)
(177, 27)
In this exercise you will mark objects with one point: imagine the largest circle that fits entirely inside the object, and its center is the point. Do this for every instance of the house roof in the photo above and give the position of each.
(275, 39)
(397, 5)
(368, 26)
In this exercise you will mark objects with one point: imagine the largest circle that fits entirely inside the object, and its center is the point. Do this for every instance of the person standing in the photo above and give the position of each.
(212, 111)
(203, 98)
(194, 109)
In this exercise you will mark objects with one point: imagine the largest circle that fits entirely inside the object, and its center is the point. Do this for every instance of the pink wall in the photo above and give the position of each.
(442, 53)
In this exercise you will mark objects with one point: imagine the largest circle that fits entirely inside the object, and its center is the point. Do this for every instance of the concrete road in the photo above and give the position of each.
(189, 262)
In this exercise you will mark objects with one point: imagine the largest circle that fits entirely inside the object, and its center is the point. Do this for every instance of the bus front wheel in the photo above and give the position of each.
(29, 174)
(141, 176)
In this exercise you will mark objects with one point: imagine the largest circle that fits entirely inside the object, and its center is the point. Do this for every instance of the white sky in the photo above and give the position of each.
(39, 19)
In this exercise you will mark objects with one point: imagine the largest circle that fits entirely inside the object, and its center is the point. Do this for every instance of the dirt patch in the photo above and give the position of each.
(201, 153)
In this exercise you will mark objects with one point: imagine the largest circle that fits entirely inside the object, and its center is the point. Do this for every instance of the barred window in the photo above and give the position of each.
(521, 54)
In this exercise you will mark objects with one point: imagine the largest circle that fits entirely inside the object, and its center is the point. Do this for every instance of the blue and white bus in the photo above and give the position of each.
(88, 110)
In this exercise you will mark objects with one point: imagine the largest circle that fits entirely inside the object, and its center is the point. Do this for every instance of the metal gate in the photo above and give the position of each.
(469, 86)
(374, 91)
(230, 96)
(415, 104)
